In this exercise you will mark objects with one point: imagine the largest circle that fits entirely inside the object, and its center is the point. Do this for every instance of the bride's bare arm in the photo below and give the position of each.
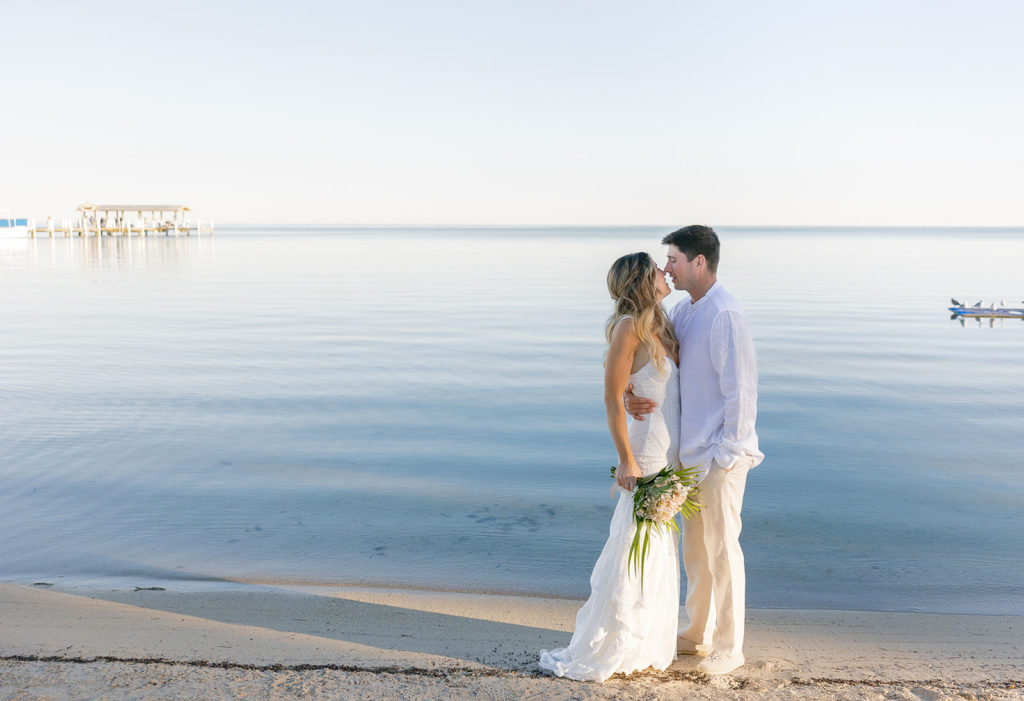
(618, 365)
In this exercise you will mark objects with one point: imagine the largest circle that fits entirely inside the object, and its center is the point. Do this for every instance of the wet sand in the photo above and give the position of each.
(359, 643)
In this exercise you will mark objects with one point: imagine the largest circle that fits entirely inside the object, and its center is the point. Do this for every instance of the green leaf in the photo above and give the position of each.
(653, 487)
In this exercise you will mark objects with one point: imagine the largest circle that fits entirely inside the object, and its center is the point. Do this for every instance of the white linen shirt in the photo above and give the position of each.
(717, 383)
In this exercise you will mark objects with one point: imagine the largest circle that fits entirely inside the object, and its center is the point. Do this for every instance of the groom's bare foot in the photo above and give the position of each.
(685, 646)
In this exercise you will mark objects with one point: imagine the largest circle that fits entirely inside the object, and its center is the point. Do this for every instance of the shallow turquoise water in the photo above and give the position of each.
(423, 407)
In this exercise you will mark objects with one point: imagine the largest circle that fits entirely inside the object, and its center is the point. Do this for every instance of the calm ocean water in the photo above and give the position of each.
(422, 407)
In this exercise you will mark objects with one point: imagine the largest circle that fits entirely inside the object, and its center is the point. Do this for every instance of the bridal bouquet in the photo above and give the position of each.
(656, 501)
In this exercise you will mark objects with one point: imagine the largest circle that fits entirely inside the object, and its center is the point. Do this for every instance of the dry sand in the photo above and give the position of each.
(358, 643)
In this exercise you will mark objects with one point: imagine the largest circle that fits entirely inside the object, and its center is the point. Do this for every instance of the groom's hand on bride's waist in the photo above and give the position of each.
(637, 407)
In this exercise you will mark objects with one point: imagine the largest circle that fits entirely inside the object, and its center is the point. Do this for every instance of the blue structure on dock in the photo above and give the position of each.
(1000, 311)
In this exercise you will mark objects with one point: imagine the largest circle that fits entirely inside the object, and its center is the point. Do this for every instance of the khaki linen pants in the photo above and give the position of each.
(713, 560)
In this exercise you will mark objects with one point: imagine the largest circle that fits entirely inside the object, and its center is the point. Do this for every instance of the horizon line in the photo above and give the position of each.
(323, 225)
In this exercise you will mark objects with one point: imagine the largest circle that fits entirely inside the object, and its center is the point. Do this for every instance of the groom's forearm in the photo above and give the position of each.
(737, 380)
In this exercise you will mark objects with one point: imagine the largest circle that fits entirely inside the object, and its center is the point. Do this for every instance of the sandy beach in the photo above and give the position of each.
(317, 642)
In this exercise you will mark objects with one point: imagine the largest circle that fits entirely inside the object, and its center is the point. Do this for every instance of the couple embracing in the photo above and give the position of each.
(688, 379)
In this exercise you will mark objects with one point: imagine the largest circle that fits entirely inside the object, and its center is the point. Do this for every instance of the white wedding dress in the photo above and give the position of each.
(620, 629)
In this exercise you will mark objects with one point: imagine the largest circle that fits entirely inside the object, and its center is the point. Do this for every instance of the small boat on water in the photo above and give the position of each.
(1000, 310)
(12, 227)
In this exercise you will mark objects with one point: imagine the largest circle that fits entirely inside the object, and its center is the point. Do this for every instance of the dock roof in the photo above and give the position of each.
(133, 207)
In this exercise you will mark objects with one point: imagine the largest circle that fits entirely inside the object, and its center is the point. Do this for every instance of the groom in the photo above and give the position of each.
(718, 393)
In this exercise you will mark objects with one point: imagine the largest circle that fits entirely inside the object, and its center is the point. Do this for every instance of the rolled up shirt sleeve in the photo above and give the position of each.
(734, 360)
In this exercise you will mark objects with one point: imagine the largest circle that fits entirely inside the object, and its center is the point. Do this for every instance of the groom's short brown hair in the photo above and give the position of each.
(696, 240)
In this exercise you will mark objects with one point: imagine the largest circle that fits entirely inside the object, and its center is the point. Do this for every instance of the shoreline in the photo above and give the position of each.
(361, 642)
(208, 583)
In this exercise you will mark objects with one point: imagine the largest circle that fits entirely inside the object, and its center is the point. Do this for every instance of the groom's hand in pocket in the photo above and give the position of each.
(637, 407)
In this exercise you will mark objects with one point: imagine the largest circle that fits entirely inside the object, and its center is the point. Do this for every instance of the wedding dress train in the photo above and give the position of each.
(620, 628)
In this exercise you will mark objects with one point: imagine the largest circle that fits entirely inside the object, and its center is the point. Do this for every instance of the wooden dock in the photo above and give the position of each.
(123, 220)
(67, 228)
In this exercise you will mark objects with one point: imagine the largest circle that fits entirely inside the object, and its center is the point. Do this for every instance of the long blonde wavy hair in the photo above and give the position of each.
(633, 284)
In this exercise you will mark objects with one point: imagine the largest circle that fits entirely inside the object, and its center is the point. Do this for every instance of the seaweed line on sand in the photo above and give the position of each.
(448, 671)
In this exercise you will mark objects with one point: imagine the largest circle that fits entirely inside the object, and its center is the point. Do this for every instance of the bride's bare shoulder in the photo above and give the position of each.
(626, 325)
(623, 337)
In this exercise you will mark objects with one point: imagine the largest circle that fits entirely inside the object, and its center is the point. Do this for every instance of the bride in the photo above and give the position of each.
(621, 628)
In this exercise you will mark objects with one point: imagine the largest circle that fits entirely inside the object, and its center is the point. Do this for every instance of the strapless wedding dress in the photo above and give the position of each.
(620, 629)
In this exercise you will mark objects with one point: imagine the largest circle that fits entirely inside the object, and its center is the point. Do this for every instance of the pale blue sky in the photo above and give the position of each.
(572, 112)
